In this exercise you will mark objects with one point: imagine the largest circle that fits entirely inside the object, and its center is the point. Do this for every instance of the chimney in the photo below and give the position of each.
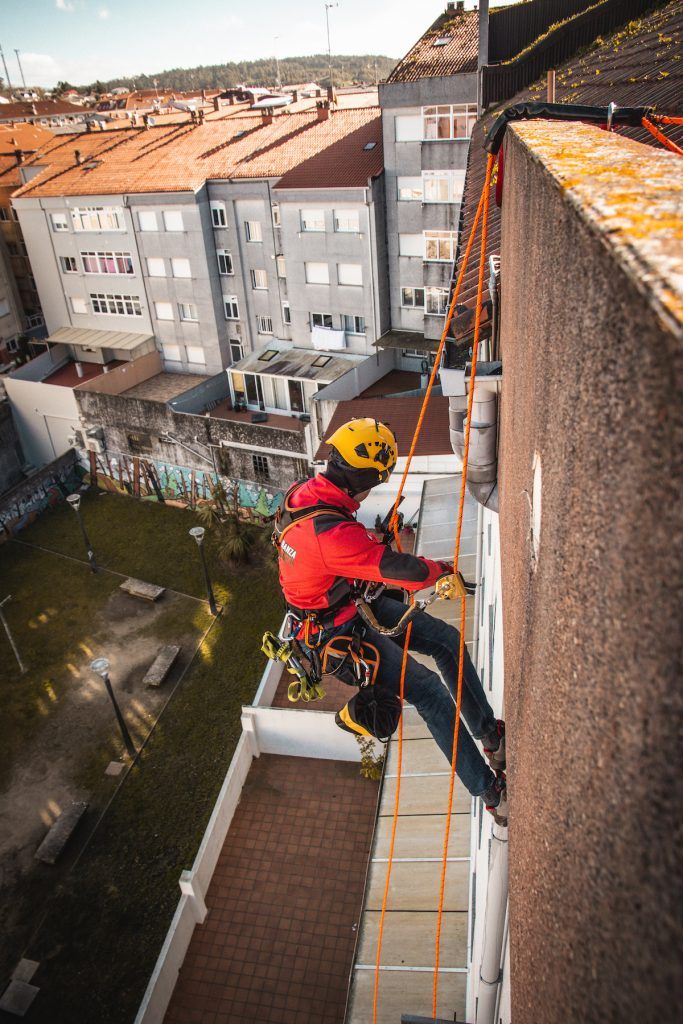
(88, 126)
(267, 116)
(79, 369)
(216, 104)
(34, 109)
(200, 114)
(295, 95)
(19, 154)
(79, 157)
(231, 100)
(323, 109)
(105, 368)
(203, 95)
(331, 95)
(461, 7)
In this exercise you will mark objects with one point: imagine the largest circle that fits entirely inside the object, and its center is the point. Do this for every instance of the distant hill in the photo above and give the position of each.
(347, 70)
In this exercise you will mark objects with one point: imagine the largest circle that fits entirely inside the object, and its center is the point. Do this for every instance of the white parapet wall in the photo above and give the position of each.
(300, 734)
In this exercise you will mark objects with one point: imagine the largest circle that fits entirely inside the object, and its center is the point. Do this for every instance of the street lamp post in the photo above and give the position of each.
(329, 51)
(100, 666)
(75, 502)
(22, 667)
(197, 532)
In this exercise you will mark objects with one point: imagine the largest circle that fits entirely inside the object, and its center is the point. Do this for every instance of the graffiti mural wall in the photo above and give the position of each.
(46, 488)
(152, 480)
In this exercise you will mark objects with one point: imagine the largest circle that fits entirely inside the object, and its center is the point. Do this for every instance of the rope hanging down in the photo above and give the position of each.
(482, 208)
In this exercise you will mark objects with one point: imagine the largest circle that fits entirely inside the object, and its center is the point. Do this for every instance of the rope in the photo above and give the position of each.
(380, 933)
(660, 136)
(665, 119)
(393, 519)
(456, 557)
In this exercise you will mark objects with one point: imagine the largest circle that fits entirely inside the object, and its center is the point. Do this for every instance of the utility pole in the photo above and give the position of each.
(4, 63)
(21, 70)
(278, 83)
(329, 51)
(22, 667)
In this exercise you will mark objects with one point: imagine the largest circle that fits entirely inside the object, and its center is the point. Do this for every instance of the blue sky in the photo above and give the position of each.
(81, 40)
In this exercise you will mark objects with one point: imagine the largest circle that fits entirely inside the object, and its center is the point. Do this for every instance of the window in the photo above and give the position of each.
(281, 268)
(107, 262)
(171, 353)
(408, 128)
(173, 220)
(317, 273)
(147, 220)
(296, 396)
(156, 267)
(321, 361)
(346, 220)
(286, 313)
(68, 264)
(4, 212)
(413, 297)
(163, 310)
(436, 301)
(224, 258)
(312, 220)
(60, 222)
(231, 307)
(78, 305)
(236, 352)
(449, 122)
(196, 354)
(218, 217)
(264, 324)
(259, 279)
(443, 186)
(353, 324)
(36, 320)
(268, 355)
(188, 312)
(410, 245)
(409, 188)
(414, 353)
(116, 305)
(181, 267)
(321, 320)
(98, 218)
(275, 213)
(440, 246)
(261, 468)
(252, 229)
(350, 273)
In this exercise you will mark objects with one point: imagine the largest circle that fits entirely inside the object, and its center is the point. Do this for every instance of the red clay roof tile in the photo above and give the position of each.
(431, 58)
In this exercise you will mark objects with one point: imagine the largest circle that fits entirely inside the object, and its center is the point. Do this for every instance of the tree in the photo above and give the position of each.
(236, 542)
(61, 88)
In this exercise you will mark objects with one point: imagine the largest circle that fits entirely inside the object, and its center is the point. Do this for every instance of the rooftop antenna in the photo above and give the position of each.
(4, 62)
(329, 51)
(277, 65)
(21, 72)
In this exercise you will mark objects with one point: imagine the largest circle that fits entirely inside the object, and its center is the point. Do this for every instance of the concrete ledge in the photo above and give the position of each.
(54, 842)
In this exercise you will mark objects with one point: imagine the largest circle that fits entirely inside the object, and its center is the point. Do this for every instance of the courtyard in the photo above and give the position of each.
(96, 920)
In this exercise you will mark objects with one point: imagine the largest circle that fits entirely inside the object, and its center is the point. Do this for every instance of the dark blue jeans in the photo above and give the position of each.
(434, 702)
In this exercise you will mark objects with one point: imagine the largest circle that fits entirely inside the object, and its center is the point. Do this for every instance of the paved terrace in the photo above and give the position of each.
(285, 899)
(165, 386)
(67, 377)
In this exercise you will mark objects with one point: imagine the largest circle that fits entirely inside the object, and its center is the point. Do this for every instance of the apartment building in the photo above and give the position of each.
(429, 106)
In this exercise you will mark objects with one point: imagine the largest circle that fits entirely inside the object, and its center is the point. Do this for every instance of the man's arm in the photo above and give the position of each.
(347, 549)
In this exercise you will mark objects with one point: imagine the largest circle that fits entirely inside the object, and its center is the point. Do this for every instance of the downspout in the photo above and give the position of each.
(482, 467)
(494, 928)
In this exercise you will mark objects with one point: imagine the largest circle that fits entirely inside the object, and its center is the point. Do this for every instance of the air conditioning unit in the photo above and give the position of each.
(92, 444)
(238, 330)
(95, 432)
(76, 439)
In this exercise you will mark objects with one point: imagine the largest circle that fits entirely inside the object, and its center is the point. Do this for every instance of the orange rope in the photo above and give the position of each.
(665, 119)
(393, 521)
(660, 136)
(394, 823)
(456, 557)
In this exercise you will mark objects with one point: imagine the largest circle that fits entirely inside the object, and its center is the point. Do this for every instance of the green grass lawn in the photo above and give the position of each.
(105, 922)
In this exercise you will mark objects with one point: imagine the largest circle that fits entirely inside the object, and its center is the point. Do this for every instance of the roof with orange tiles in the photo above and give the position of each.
(38, 108)
(181, 157)
(401, 414)
(637, 65)
(449, 47)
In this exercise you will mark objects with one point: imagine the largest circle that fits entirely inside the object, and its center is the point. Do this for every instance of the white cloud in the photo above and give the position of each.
(104, 14)
(41, 68)
(64, 5)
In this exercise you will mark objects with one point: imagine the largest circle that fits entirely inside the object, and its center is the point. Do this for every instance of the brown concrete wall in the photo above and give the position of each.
(592, 381)
(123, 377)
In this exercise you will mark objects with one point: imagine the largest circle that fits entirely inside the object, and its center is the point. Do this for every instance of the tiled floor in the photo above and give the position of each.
(165, 386)
(67, 377)
(285, 900)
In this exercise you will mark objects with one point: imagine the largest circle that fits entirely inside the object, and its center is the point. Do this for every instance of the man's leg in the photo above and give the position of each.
(433, 702)
(441, 641)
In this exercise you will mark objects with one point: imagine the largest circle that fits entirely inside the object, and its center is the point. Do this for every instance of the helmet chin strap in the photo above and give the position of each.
(354, 481)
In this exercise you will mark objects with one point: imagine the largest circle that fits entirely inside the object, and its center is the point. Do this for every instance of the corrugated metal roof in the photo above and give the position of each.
(639, 65)
(297, 363)
(90, 338)
(448, 47)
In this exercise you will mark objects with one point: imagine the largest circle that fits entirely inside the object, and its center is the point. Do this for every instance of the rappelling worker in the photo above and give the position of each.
(323, 553)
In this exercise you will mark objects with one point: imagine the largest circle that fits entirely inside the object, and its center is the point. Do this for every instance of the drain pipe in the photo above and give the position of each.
(494, 928)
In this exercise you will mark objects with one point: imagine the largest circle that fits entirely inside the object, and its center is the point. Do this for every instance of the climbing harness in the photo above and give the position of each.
(351, 658)
(306, 687)
(447, 588)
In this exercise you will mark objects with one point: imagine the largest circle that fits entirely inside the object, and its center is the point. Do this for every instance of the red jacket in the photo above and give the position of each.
(319, 558)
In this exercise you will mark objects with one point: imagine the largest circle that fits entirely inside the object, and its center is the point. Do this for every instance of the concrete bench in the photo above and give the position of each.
(54, 842)
(161, 665)
(138, 588)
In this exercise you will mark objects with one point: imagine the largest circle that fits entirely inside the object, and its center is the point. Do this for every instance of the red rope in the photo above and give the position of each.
(661, 137)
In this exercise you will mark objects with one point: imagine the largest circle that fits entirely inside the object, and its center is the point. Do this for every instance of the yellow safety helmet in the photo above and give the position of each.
(366, 444)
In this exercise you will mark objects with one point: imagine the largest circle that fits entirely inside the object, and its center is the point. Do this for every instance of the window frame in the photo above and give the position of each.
(233, 301)
(316, 263)
(107, 262)
(182, 306)
(158, 260)
(414, 304)
(448, 114)
(253, 231)
(338, 217)
(286, 314)
(323, 317)
(168, 216)
(219, 217)
(264, 323)
(59, 221)
(148, 214)
(260, 466)
(428, 297)
(227, 257)
(303, 220)
(71, 269)
(281, 267)
(417, 196)
(124, 304)
(443, 242)
(182, 260)
(350, 266)
(257, 274)
(357, 322)
(98, 218)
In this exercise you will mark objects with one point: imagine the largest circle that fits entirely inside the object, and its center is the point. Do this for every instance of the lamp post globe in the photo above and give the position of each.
(100, 666)
(75, 502)
(197, 532)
